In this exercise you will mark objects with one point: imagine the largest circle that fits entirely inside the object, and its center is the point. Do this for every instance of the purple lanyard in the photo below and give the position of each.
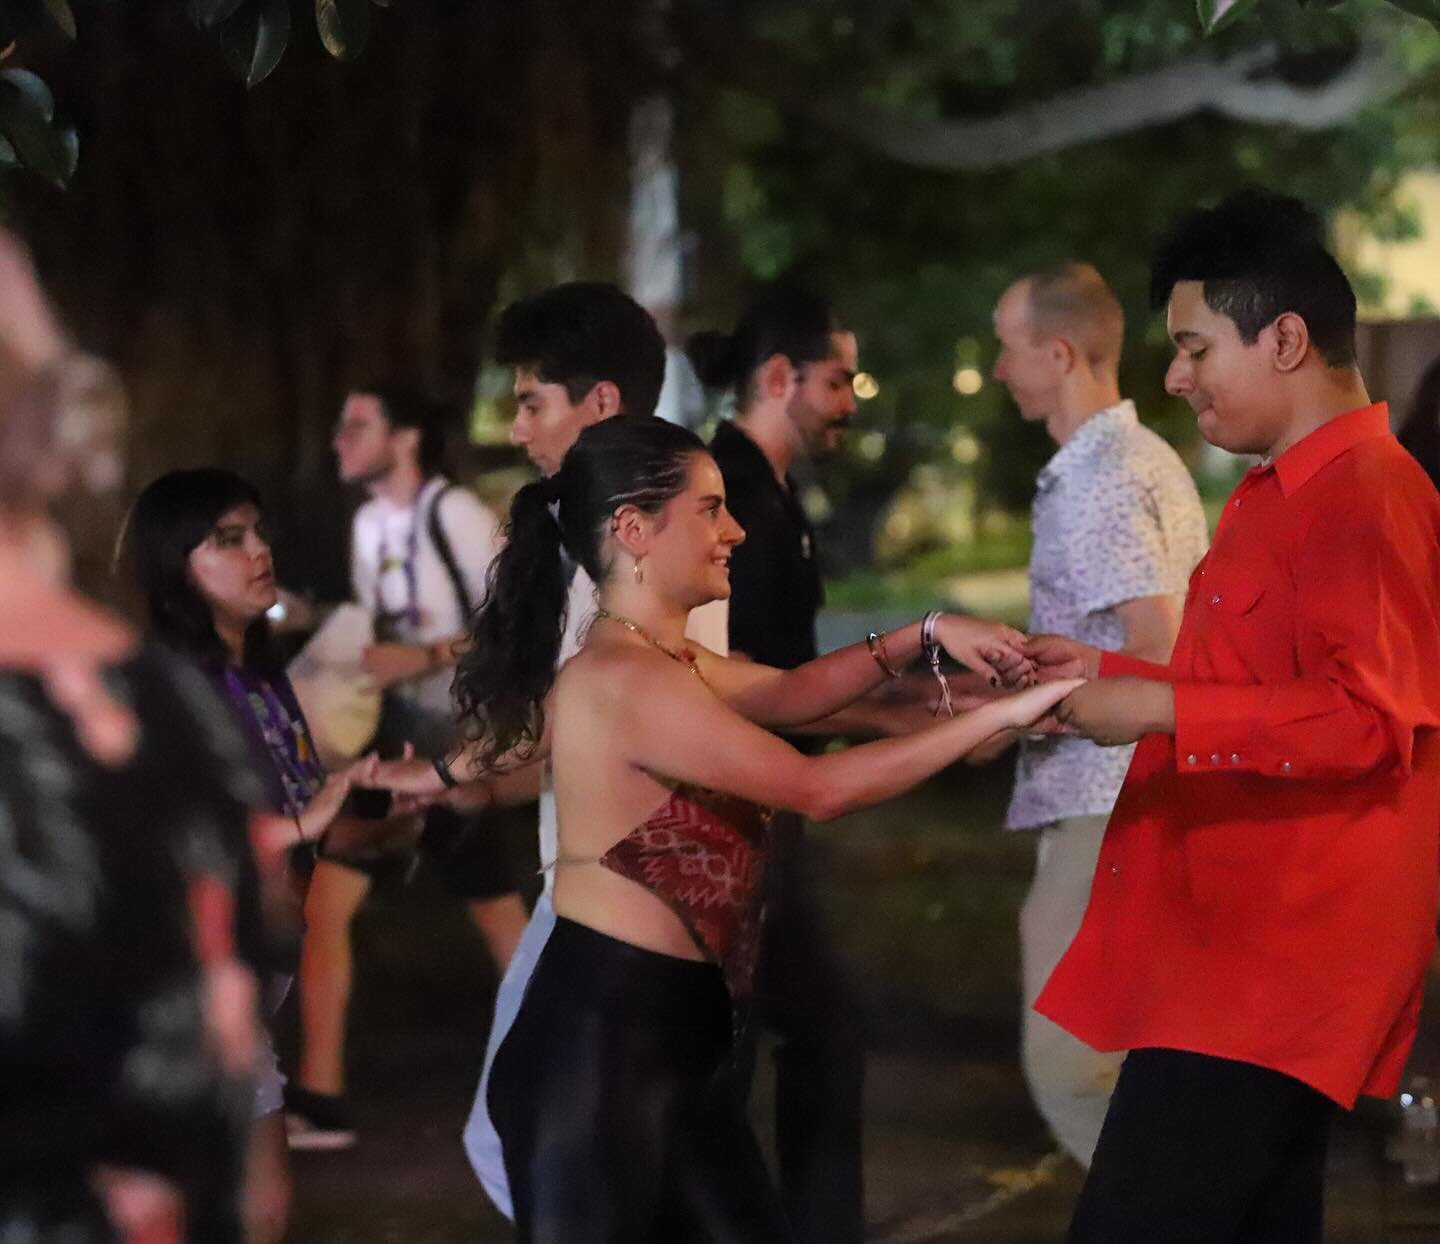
(285, 740)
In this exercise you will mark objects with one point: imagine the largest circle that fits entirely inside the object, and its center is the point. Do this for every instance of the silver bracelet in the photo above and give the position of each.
(931, 651)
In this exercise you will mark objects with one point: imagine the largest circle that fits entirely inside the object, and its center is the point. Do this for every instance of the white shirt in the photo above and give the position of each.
(1116, 518)
(709, 625)
(381, 566)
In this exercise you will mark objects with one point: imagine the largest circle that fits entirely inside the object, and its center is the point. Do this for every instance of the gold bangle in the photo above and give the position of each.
(876, 644)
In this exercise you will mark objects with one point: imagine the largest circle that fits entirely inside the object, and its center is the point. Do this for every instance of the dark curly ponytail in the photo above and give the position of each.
(504, 676)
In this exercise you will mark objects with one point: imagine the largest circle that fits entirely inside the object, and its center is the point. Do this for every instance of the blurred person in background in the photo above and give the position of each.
(420, 550)
(791, 364)
(200, 554)
(128, 1016)
(1118, 527)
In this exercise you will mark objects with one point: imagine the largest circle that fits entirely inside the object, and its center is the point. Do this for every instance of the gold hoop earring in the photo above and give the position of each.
(639, 573)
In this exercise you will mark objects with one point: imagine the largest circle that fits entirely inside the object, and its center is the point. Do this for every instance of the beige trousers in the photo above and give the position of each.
(1069, 1082)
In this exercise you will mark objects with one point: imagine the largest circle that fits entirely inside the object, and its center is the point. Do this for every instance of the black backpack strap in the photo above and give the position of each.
(447, 555)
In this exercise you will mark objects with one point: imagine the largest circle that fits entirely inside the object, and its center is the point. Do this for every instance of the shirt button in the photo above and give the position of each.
(1284, 766)
(1234, 758)
(1215, 600)
(1237, 503)
(1190, 760)
(1114, 870)
(1215, 759)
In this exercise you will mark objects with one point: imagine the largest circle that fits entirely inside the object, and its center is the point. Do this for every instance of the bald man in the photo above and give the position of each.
(1118, 528)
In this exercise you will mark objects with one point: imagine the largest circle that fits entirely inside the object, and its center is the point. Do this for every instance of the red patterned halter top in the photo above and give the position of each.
(702, 854)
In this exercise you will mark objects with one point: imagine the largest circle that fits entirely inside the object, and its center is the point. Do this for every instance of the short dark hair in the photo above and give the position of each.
(582, 333)
(780, 318)
(171, 517)
(1260, 255)
(405, 407)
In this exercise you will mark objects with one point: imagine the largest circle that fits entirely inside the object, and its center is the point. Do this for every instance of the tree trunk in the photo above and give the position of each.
(243, 257)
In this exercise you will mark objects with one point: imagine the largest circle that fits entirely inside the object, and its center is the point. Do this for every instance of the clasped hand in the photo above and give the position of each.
(993, 650)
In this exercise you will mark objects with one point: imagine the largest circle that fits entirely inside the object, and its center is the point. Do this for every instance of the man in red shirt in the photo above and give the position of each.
(1265, 900)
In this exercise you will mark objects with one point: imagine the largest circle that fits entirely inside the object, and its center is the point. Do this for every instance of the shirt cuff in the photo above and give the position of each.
(1215, 730)
(1119, 665)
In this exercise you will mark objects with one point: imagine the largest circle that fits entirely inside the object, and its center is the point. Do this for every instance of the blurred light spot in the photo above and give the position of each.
(968, 381)
(865, 386)
(899, 526)
(815, 501)
(871, 446)
(964, 448)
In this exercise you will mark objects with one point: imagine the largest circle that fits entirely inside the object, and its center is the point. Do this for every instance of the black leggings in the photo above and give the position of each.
(611, 1099)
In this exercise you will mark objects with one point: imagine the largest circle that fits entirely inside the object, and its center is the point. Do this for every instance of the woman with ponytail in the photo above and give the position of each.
(606, 1091)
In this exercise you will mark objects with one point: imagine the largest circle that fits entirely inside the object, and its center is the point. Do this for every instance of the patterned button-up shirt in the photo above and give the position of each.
(1116, 518)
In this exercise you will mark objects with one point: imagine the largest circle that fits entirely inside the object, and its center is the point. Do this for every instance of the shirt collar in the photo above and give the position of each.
(1098, 428)
(1304, 459)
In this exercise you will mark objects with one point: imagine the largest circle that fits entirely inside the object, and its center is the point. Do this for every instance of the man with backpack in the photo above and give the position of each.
(420, 550)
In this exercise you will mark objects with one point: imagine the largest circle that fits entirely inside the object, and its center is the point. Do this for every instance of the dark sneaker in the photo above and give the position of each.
(317, 1121)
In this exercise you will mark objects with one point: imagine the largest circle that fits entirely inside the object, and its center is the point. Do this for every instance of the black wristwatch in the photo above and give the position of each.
(442, 767)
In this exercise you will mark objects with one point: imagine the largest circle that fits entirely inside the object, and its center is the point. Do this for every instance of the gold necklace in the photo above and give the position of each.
(684, 655)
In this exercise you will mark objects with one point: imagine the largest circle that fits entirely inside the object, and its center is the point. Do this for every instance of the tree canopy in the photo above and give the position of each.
(243, 254)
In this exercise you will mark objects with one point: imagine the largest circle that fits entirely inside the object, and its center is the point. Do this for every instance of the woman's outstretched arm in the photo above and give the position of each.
(671, 725)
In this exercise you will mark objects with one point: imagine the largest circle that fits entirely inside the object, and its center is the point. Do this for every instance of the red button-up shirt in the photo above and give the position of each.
(1267, 886)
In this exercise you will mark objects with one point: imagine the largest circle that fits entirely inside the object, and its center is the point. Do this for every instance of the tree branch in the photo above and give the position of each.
(1088, 114)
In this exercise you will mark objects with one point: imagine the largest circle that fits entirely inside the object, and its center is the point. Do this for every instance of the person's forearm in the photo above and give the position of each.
(827, 684)
(874, 772)
(515, 786)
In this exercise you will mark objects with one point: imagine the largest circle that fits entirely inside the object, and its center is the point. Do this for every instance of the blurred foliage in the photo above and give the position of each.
(357, 217)
(917, 258)
(252, 36)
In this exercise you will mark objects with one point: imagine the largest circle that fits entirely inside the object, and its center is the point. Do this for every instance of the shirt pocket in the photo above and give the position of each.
(1229, 591)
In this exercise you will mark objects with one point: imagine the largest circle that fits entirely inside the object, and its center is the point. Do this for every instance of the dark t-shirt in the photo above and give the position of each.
(775, 588)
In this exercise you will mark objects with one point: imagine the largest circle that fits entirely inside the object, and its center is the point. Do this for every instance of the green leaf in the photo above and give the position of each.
(254, 39)
(25, 124)
(62, 15)
(344, 26)
(1217, 13)
(209, 13)
(31, 87)
(1428, 9)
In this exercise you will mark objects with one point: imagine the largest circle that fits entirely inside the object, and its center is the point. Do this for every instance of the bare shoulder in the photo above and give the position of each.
(610, 674)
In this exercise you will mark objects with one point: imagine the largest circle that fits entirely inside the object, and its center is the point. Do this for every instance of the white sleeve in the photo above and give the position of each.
(363, 569)
(473, 533)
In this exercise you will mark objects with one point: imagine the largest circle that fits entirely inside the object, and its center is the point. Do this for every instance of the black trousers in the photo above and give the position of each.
(802, 997)
(618, 1123)
(1204, 1150)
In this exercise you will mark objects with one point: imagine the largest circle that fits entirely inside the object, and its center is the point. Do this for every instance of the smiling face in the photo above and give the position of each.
(823, 404)
(232, 569)
(1233, 388)
(687, 554)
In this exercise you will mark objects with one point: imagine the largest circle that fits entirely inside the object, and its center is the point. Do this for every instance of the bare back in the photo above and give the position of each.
(601, 795)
